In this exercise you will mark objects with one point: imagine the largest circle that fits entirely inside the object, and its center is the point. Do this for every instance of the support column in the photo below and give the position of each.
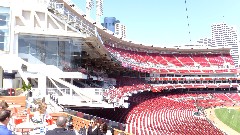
(14, 48)
(71, 90)
(42, 85)
(72, 81)
(1, 77)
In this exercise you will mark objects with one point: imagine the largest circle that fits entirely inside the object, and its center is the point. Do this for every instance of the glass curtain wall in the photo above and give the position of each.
(58, 51)
(4, 28)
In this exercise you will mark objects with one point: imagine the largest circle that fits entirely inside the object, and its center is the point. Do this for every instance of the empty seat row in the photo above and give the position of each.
(162, 115)
(178, 60)
(124, 91)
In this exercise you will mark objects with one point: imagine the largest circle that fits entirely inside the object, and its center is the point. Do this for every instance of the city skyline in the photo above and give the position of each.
(114, 25)
(161, 21)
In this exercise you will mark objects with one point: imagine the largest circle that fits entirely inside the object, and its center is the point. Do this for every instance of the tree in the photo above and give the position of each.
(26, 87)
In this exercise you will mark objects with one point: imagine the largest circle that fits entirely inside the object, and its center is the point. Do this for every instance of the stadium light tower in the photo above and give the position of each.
(89, 7)
(99, 10)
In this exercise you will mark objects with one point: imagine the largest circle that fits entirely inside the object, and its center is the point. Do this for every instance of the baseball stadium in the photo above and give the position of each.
(52, 51)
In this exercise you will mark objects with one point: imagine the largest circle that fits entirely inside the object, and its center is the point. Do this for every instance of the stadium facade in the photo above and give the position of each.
(64, 54)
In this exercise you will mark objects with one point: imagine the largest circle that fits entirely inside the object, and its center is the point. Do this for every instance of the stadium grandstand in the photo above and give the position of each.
(136, 89)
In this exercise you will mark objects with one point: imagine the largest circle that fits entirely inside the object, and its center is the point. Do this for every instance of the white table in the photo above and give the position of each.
(14, 105)
(29, 125)
(25, 125)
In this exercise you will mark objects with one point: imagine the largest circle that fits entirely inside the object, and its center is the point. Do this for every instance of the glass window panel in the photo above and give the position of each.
(51, 45)
(4, 19)
(4, 38)
(58, 51)
(4, 9)
(4, 32)
(2, 46)
(2, 35)
(22, 47)
(4, 29)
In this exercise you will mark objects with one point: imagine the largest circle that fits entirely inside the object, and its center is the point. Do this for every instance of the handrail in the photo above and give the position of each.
(99, 26)
(72, 20)
(98, 36)
(20, 60)
(45, 71)
(56, 87)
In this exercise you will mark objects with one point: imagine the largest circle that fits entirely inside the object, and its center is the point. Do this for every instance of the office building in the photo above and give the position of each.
(114, 25)
(224, 35)
(120, 30)
(205, 42)
(109, 23)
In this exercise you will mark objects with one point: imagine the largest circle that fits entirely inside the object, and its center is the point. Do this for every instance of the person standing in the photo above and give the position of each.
(3, 105)
(61, 130)
(104, 129)
(93, 129)
(5, 116)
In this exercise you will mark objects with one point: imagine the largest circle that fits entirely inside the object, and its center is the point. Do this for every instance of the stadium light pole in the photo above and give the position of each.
(99, 10)
(89, 6)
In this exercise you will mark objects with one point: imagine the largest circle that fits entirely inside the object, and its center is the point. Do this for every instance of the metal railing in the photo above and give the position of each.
(98, 36)
(70, 18)
(58, 92)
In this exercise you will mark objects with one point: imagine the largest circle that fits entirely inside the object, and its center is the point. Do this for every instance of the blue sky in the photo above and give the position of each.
(164, 22)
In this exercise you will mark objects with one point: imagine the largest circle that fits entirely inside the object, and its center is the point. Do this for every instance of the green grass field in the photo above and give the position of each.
(229, 117)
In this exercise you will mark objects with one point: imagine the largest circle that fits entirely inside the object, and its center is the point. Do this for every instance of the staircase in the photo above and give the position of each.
(30, 58)
(207, 60)
(51, 72)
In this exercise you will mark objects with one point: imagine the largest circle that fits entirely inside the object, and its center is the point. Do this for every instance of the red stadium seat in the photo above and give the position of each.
(175, 63)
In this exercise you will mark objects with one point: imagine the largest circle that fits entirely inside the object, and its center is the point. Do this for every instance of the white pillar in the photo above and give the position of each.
(1, 77)
(71, 90)
(42, 86)
(7, 83)
(11, 47)
(71, 80)
(14, 48)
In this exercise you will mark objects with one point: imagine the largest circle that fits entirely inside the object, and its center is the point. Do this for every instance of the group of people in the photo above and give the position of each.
(97, 129)
(93, 129)
(6, 114)
(62, 127)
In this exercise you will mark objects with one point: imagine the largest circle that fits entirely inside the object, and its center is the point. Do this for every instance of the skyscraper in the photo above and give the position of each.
(109, 23)
(224, 35)
(207, 42)
(120, 29)
(114, 25)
